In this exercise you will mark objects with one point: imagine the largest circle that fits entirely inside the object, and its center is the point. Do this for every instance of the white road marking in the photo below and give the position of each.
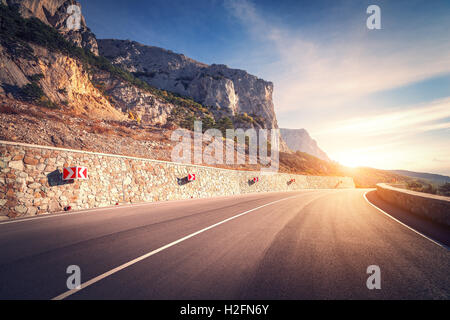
(151, 253)
(405, 225)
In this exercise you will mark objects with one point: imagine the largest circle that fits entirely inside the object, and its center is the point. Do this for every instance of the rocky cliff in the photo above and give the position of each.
(63, 80)
(300, 140)
(90, 86)
(125, 97)
(55, 14)
(233, 91)
(49, 69)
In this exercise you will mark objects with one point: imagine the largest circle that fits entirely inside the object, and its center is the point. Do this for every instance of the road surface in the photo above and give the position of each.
(313, 244)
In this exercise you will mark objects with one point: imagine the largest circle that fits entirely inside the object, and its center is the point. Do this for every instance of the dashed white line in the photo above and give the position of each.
(151, 253)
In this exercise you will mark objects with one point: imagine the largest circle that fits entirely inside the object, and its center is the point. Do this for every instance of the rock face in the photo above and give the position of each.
(300, 140)
(125, 98)
(233, 91)
(54, 13)
(67, 81)
(63, 80)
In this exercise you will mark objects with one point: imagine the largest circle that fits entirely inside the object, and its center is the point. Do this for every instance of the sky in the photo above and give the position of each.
(378, 98)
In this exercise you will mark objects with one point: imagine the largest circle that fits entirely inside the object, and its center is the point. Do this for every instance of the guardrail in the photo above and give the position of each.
(436, 208)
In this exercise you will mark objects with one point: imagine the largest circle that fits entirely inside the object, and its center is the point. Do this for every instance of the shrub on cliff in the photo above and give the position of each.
(223, 124)
(36, 77)
(32, 92)
(245, 118)
(17, 32)
(208, 123)
(44, 101)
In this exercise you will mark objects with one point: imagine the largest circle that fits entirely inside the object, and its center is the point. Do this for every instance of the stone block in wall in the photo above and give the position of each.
(30, 180)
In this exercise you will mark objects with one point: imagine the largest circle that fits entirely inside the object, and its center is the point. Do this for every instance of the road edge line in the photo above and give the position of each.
(405, 225)
(151, 253)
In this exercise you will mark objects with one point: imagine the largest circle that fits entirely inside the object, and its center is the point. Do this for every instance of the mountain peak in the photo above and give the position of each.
(54, 13)
(234, 92)
(300, 140)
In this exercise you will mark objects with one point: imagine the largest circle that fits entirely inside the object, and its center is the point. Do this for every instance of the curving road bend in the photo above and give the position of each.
(313, 244)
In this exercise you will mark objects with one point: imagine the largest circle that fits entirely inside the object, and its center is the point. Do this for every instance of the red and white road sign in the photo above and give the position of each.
(82, 173)
(255, 179)
(69, 173)
(191, 177)
(72, 173)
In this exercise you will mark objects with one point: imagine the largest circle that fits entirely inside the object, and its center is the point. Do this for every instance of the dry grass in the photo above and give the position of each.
(98, 129)
(7, 110)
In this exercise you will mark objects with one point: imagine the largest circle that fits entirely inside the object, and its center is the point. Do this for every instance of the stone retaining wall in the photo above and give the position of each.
(436, 208)
(31, 183)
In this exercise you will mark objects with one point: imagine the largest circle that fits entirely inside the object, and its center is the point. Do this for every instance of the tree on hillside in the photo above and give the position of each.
(445, 189)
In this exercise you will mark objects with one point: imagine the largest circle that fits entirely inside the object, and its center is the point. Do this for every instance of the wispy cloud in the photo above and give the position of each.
(318, 74)
(412, 120)
(327, 83)
(412, 138)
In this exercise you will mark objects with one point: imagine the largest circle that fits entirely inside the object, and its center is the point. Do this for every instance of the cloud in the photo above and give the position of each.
(441, 160)
(411, 139)
(312, 73)
(412, 120)
(328, 81)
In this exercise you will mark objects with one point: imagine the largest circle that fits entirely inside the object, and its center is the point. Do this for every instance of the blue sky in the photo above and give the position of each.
(378, 98)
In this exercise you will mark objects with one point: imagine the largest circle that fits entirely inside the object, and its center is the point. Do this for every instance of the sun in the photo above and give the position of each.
(353, 159)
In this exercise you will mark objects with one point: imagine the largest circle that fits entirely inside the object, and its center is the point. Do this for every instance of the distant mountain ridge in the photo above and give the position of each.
(437, 178)
(233, 91)
(300, 140)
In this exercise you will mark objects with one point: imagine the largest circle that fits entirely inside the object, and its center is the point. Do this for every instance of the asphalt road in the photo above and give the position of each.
(314, 244)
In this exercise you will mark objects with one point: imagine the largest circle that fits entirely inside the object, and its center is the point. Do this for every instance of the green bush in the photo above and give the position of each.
(223, 124)
(208, 123)
(32, 92)
(414, 185)
(244, 117)
(36, 77)
(47, 103)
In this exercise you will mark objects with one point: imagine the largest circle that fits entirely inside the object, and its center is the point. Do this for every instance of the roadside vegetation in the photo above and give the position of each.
(429, 187)
(32, 92)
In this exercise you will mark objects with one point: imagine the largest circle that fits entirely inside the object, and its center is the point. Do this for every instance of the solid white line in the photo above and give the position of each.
(151, 253)
(405, 225)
